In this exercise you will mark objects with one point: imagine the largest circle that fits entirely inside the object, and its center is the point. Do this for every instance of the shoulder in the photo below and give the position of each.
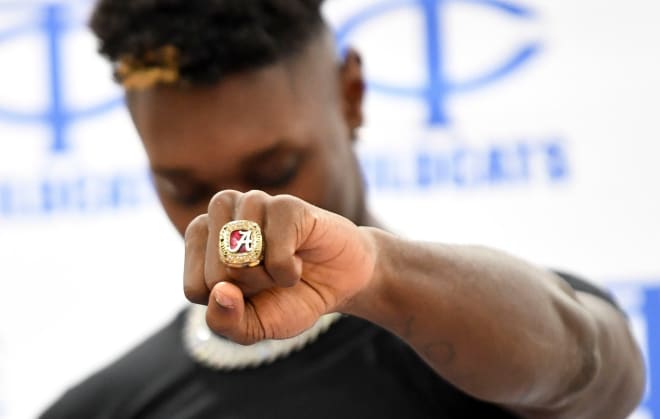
(126, 381)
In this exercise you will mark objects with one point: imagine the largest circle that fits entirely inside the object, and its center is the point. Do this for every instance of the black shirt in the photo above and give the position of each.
(354, 370)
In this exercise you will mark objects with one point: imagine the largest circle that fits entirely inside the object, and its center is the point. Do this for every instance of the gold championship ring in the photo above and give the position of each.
(241, 244)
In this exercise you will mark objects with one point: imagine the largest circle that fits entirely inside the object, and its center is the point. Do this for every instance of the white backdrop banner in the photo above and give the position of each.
(528, 125)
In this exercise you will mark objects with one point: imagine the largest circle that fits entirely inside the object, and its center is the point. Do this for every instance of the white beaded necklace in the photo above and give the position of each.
(215, 352)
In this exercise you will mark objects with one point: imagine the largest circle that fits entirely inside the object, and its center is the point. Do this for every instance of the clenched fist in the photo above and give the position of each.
(315, 263)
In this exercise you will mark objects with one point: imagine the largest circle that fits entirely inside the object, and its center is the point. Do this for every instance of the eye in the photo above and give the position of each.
(183, 193)
(274, 180)
(192, 198)
(276, 174)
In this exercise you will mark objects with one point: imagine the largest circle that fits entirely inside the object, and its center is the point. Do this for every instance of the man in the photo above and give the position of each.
(248, 119)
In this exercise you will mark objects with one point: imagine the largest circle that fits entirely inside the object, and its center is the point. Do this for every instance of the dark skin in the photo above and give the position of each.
(275, 146)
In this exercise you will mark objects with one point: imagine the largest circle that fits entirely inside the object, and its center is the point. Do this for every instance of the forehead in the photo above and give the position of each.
(241, 115)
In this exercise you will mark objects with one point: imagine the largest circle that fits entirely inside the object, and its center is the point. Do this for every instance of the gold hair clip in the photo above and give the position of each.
(160, 66)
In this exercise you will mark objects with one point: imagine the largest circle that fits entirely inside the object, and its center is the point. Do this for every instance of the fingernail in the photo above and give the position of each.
(223, 301)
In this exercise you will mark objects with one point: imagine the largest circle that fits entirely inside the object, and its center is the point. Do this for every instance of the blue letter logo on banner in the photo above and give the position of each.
(437, 87)
(53, 22)
(652, 314)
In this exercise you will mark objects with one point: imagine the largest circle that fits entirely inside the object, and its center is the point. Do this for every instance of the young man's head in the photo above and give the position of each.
(235, 94)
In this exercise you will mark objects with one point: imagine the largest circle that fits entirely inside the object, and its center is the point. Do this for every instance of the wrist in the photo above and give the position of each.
(370, 299)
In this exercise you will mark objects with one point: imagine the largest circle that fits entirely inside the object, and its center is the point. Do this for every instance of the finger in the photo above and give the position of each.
(250, 206)
(247, 206)
(283, 232)
(274, 314)
(226, 315)
(251, 281)
(196, 237)
(221, 211)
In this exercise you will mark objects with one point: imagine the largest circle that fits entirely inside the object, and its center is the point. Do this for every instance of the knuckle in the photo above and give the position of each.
(283, 202)
(198, 225)
(251, 199)
(255, 194)
(286, 207)
(223, 202)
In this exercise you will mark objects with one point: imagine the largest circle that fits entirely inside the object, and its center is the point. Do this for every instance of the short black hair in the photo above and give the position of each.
(213, 38)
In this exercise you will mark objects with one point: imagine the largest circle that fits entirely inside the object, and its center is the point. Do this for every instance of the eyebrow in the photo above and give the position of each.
(185, 173)
(272, 151)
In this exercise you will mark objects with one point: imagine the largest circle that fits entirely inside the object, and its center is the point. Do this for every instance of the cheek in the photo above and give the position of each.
(330, 185)
(345, 186)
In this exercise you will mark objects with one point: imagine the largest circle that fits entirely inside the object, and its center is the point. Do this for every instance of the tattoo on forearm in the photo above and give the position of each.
(441, 353)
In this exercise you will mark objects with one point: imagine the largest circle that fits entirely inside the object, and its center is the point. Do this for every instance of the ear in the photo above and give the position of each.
(352, 89)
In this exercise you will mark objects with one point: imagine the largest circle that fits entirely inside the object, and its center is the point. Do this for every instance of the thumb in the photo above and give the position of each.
(227, 315)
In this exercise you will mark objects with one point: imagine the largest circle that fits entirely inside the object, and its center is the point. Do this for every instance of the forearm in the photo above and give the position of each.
(496, 327)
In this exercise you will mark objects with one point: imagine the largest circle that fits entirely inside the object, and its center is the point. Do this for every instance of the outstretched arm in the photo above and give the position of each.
(496, 327)
(503, 330)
